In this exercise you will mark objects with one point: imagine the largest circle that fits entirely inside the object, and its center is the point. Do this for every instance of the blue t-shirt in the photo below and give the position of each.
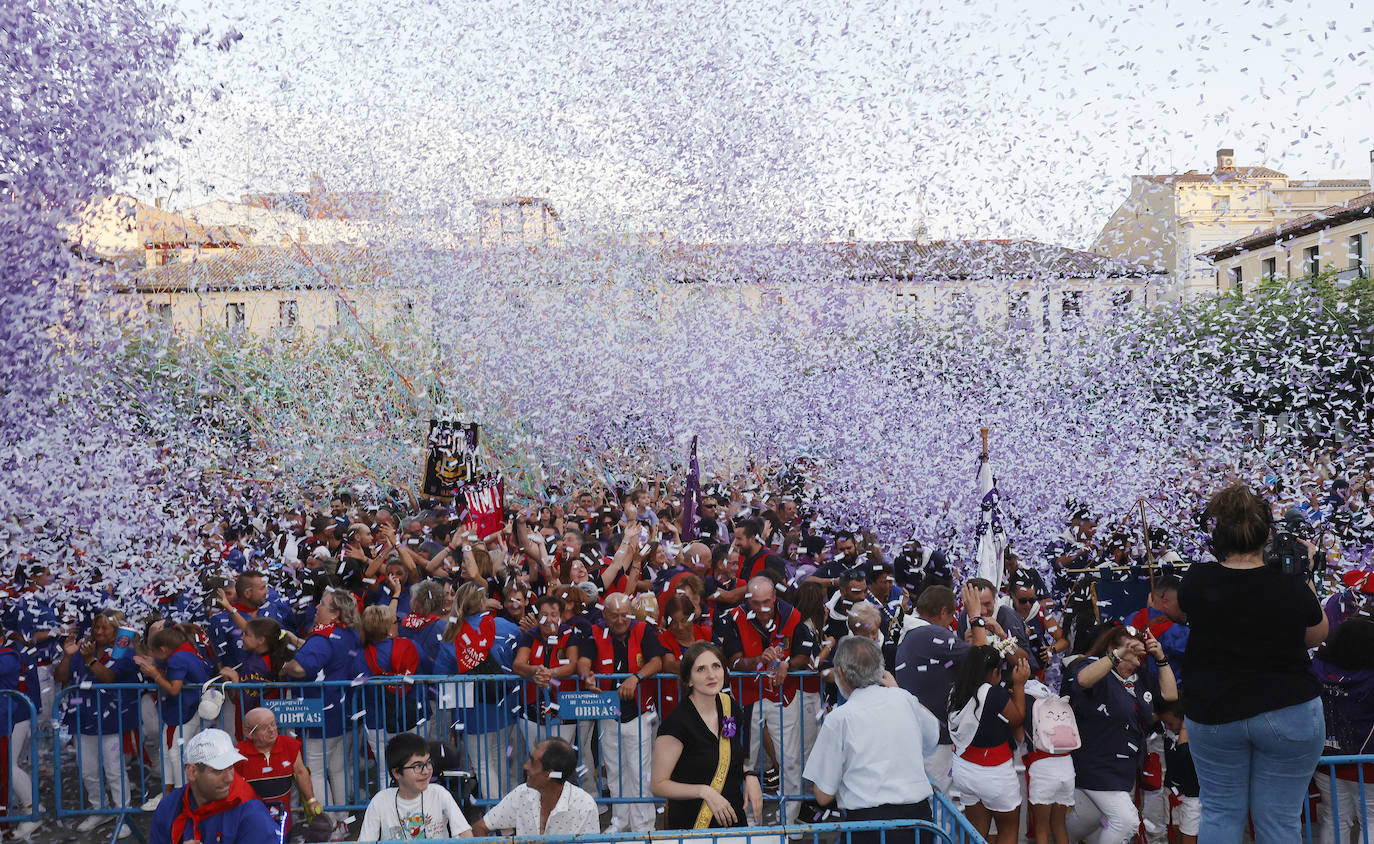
(247, 823)
(428, 641)
(335, 654)
(479, 717)
(106, 712)
(192, 671)
(15, 671)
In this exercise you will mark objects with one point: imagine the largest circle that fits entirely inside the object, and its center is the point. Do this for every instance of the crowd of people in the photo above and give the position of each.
(1071, 700)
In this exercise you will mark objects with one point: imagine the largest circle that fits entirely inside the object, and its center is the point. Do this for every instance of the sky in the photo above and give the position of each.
(768, 120)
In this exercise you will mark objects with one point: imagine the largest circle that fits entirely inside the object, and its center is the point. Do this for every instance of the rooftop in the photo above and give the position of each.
(1344, 212)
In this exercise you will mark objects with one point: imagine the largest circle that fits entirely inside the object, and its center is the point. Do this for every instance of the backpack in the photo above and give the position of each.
(399, 701)
(1054, 729)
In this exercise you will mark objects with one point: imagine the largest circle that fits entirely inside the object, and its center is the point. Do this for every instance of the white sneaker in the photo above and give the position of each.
(91, 822)
(152, 804)
(24, 830)
(125, 831)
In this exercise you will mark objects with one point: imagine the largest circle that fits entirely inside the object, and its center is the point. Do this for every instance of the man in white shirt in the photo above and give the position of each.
(869, 772)
(548, 803)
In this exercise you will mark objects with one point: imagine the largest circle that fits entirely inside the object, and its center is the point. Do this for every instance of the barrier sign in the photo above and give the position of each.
(297, 712)
(588, 706)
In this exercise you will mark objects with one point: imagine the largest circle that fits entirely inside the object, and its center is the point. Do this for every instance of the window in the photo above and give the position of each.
(163, 311)
(1018, 310)
(1311, 261)
(233, 315)
(1237, 279)
(1356, 255)
(288, 313)
(1071, 304)
(1221, 204)
(342, 315)
(1269, 268)
(908, 303)
(1121, 299)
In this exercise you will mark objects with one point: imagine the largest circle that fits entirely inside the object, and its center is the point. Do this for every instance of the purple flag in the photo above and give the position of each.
(691, 501)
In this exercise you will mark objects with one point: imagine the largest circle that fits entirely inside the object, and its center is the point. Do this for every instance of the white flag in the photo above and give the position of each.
(991, 536)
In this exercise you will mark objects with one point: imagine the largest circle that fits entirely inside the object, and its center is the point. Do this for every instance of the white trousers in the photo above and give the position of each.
(1103, 817)
(47, 693)
(938, 766)
(488, 757)
(173, 763)
(20, 783)
(1345, 803)
(327, 759)
(532, 732)
(102, 759)
(811, 721)
(1154, 805)
(784, 726)
(627, 749)
(589, 771)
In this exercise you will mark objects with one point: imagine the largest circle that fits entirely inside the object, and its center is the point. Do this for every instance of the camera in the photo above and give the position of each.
(1286, 551)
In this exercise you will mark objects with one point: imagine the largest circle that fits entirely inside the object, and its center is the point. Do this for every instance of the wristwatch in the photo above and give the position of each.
(978, 622)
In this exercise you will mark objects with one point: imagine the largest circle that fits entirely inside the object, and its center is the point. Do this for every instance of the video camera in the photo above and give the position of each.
(1286, 551)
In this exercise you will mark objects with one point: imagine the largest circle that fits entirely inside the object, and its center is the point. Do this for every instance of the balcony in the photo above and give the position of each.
(1345, 277)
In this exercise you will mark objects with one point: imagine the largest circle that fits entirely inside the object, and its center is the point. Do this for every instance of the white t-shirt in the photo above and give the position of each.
(434, 814)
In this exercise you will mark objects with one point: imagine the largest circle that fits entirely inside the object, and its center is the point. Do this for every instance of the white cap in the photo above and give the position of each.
(212, 748)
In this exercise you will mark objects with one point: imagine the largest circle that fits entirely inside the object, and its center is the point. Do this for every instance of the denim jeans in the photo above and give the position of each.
(1259, 766)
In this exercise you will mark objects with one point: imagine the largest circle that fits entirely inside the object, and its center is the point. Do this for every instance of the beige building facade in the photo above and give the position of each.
(1169, 221)
(1337, 238)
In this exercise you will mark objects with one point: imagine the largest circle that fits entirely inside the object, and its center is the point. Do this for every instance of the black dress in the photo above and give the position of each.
(697, 764)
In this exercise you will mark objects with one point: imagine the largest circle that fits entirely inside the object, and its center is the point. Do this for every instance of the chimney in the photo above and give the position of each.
(1371, 169)
(1226, 160)
(157, 202)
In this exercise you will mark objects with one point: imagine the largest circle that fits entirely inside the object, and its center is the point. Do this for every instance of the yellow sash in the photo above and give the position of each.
(722, 763)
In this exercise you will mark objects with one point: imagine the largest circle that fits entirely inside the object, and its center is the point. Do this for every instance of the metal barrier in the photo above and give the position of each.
(1347, 800)
(493, 721)
(28, 745)
(850, 832)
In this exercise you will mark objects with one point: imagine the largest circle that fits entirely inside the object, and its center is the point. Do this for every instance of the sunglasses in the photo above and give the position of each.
(1032, 599)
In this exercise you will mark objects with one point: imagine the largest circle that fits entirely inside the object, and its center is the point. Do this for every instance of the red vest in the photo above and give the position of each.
(605, 661)
(474, 644)
(752, 645)
(548, 656)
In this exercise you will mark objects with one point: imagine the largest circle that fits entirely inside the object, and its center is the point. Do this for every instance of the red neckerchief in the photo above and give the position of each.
(240, 792)
(244, 609)
(417, 622)
(323, 629)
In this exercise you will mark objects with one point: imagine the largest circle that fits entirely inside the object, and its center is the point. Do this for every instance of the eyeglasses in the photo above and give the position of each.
(419, 767)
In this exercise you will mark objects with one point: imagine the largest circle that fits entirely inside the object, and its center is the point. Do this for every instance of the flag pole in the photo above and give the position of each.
(984, 433)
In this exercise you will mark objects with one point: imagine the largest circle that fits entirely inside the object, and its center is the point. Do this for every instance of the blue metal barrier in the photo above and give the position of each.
(489, 718)
(839, 833)
(1347, 800)
(29, 748)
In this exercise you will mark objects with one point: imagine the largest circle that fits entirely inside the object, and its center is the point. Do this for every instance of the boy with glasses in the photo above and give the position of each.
(416, 807)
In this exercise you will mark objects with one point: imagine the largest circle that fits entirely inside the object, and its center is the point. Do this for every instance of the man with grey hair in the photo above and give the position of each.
(869, 772)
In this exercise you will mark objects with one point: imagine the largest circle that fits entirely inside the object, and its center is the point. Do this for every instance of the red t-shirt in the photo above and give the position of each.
(270, 775)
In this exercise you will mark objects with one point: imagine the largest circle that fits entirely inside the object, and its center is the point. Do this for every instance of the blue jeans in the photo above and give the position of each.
(1259, 766)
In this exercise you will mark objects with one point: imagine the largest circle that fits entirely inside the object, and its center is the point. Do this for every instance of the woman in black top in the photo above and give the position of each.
(1254, 719)
(701, 789)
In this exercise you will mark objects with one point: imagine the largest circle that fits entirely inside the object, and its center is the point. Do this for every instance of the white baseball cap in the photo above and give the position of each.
(212, 748)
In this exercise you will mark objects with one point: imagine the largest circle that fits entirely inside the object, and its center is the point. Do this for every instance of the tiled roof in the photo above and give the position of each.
(1194, 177)
(317, 266)
(1335, 215)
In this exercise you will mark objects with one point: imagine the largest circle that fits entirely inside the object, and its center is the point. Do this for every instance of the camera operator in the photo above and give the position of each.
(1254, 711)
